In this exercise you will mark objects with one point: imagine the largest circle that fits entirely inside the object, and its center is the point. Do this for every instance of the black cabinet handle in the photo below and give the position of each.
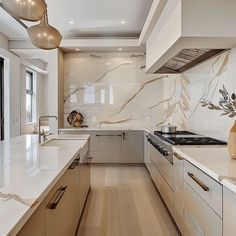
(108, 135)
(58, 198)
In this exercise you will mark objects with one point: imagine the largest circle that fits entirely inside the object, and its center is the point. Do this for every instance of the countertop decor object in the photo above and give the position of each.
(30, 10)
(227, 104)
(75, 119)
(232, 142)
(43, 35)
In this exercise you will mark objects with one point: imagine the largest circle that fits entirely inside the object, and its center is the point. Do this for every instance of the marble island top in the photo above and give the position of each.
(214, 161)
(28, 171)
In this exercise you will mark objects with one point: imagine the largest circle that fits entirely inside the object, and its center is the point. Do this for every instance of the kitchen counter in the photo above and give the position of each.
(148, 129)
(214, 161)
(28, 171)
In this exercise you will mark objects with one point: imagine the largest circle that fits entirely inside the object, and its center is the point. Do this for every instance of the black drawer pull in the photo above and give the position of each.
(108, 135)
(199, 182)
(58, 198)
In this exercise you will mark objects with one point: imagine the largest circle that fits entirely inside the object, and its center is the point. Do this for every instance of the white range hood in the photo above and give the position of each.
(189, 32)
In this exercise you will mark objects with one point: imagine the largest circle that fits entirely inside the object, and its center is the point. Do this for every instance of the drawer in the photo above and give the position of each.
(164, 166)
(166, 193)
(207, 188)
(155, 175)
(199, 218)
(107, 142)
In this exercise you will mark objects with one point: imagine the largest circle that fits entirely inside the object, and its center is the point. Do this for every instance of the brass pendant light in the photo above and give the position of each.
(30, 10)
(43, 35)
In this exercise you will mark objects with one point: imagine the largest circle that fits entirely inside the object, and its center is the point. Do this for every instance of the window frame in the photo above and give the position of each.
(30, 92)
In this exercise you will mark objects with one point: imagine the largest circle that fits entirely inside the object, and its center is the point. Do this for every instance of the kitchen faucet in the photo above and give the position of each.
(40, 119)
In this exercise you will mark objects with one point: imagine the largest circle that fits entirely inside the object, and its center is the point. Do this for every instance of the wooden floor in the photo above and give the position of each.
(124, 202)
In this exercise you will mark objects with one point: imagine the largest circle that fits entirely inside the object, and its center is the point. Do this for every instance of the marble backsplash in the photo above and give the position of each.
(202, 82)
(112, 89)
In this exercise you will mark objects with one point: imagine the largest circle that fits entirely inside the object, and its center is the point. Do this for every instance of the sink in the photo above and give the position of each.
(61, 143)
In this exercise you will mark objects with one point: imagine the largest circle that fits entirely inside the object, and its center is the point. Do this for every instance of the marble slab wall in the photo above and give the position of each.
(185, 93)
(112, 89)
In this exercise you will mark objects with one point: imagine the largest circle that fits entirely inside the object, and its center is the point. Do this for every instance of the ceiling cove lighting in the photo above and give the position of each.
(43, 35)
(30, 10)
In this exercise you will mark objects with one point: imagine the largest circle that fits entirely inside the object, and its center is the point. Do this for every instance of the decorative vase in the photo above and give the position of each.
(232, 142)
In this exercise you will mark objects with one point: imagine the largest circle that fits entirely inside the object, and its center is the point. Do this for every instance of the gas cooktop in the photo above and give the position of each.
(188, 138)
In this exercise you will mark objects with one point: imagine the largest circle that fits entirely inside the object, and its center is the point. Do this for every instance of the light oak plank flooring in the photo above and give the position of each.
(124, 202)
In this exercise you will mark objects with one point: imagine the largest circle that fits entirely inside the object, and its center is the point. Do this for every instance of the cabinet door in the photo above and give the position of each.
(60, 207)
(199, 218)
(229, 212)
(132, 147)
(147, 152)
(106, 146)
(35, 225)
(178, 191)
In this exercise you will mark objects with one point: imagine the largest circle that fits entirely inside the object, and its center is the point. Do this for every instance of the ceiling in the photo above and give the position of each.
(98, 18)
(85, 19)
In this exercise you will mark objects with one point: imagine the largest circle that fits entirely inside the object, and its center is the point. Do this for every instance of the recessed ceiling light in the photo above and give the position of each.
(122, 22)
(77, 49)
(120, 49)
(72, 22)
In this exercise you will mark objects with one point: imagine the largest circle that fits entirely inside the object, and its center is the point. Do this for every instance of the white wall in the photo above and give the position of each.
(14, 92)
(3, 41)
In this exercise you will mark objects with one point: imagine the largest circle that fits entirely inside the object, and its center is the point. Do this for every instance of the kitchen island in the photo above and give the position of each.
(28, 173)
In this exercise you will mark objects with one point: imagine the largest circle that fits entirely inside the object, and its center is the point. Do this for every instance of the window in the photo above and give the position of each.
(29, 104)
(1, 100)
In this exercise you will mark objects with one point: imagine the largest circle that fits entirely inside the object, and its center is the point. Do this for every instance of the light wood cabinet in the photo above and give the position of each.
(60, 211)
(147, 151)
(199, 218)
(106, 146)
(35, 226)
(114, 146)
(229, 212)
(85, 179)
(178, 213)
(206, 187)
(132, 147)
(60, 207)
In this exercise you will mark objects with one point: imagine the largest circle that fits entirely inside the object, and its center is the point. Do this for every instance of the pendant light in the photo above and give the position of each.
(30, 10)
(43, 35)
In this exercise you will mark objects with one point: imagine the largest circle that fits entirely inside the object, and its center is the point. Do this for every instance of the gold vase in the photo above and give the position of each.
(232, 142)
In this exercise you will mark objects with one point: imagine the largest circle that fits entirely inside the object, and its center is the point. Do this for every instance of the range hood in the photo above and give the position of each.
(187, 59)
(189, 32)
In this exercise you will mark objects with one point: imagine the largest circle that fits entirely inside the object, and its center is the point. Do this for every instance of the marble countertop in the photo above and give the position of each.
(214, 161)
(148, 129)
(28, 171)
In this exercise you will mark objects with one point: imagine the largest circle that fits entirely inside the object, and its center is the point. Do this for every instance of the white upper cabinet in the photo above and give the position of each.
(199, 29)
